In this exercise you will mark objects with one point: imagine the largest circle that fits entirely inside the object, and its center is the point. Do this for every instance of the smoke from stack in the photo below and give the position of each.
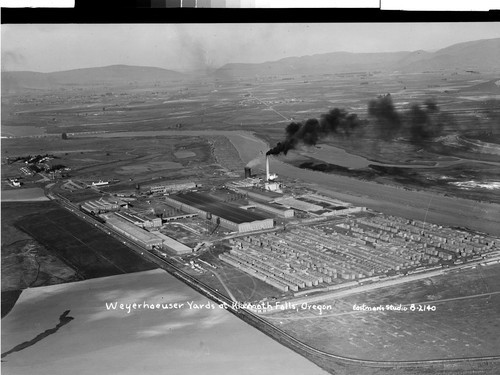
(310, 132)
(418, 124)
(387, 119)
(425, 123)
(255, 162)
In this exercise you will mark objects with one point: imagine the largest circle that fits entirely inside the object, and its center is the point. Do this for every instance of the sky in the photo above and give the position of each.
(186, 47)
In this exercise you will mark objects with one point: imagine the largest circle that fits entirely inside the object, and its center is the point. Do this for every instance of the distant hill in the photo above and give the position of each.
(335, 62)
(481, 55)
(114, 75)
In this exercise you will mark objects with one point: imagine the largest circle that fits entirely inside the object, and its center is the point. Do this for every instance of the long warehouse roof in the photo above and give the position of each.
(132, 229)
(215, 207)
(173, 244)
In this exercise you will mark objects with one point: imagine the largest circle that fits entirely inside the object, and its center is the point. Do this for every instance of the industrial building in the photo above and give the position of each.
(140, 221)
(100, 206)
(15, 182)
(247, 182)
(143, 237)
(132, 231)
(230, 217)
(260, 194)
(162, 189)
(274, 209)
(319, 205)
(100, 183)
(298, 204)
(170, 244)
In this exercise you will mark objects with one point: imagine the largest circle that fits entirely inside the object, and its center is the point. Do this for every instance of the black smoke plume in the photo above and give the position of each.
(420, 123)
(292, 128)
(426, 123)
(310, 132)
(387, 119)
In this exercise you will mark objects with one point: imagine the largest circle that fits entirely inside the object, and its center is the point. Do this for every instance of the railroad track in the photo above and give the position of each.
(276, 333)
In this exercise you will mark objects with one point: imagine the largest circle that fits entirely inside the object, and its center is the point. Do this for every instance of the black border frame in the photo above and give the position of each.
(126, 11)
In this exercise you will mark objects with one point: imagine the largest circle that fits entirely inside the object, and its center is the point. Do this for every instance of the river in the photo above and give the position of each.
(420, 205)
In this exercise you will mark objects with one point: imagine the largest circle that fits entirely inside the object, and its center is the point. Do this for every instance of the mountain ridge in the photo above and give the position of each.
(479, 55)
(114, 75)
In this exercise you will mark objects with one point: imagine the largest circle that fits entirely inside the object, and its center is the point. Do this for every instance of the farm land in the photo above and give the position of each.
(88, 250)
(464, 323)
(70, 249)
(265, 106)
(25, 261)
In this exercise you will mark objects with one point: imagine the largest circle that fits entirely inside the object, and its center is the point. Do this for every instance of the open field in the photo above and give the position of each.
(100, 159)
(26, 262)
(91, 252)
(9, 299)
(13, 211)
(79, 195)
(242, 105)
(191, 340)
(464, 324)
(266, 106)
(20, 195)
(188, 132)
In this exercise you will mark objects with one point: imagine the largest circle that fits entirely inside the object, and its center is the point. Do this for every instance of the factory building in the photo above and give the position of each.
(274, 209)
(15, 182)
(299, 204)
(247, 182)
(140, 221)
(100, 183)
(132, 231)
(143, 237)
(260, 194)
(218, 212)
(175, 246)
(162, 189)
(319, 205)
(100, 206)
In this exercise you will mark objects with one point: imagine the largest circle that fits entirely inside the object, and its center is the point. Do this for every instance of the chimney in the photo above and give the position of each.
(267, 168)
(248, 172)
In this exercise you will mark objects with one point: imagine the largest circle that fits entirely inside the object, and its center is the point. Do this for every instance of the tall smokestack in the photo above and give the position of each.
(267, 168)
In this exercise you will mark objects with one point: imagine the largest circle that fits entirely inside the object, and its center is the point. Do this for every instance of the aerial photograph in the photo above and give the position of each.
(250, 198)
